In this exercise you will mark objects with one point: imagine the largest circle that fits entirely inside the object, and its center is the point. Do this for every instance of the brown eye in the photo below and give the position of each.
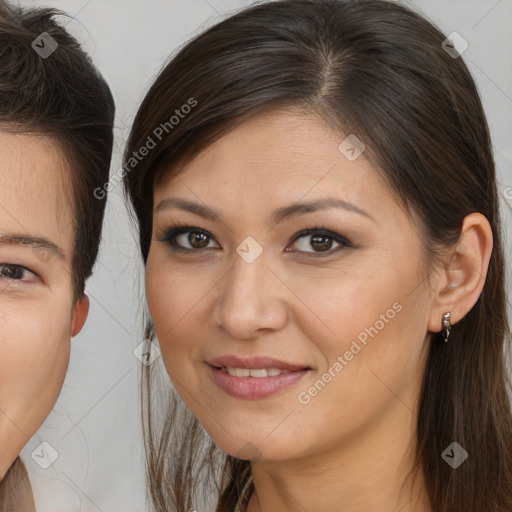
(321, 242)
(14, 272)
(317, 241)
(198, 240)
(187, 238)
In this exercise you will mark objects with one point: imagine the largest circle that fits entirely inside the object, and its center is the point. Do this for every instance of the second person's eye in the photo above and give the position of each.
(196, 239)
(187, 238)
(320, 240)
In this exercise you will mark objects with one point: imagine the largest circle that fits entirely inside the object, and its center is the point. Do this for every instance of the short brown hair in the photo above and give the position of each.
(65, 97)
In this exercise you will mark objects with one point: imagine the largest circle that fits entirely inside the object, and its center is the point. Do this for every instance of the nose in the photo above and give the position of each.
(251, 299)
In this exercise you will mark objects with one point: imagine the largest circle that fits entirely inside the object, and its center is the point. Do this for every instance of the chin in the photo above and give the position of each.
(255, 447)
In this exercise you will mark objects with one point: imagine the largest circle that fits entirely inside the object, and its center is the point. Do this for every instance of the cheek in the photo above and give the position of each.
(174, 293)
(35, 348)
(173, 305)
(358, 302)
(374, 351)
(367, 337)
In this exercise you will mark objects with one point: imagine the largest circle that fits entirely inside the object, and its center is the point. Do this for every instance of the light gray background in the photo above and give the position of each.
(95, 424)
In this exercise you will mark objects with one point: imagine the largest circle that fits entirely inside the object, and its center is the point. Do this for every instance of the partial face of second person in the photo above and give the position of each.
(38, 313)
(302, 301)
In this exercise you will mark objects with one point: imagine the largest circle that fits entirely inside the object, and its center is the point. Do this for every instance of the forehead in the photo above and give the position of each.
(277, 155)
(277, 137)
(35, 192)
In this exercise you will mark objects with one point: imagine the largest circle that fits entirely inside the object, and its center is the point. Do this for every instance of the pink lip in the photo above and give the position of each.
(253, 388)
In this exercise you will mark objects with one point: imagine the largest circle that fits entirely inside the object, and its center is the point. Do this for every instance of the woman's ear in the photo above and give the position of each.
(463, 275)
(80, 314)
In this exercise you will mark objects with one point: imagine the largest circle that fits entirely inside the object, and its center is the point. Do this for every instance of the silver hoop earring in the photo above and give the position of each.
(447, 326)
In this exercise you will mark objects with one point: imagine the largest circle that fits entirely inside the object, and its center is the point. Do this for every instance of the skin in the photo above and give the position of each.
(353, 443)
(38, 312)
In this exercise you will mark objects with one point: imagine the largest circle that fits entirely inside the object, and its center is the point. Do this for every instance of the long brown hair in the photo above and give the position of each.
(64, 97)
(15, 490)
(378, 70)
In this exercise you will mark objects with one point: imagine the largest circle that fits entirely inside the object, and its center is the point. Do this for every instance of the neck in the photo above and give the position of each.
(370, 472)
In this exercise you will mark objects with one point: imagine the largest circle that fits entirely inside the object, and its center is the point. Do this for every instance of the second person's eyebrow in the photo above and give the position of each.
(278, 215)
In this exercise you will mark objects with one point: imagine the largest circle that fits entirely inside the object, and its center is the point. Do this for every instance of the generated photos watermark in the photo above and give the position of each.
(455, 45)
(152, 140)
(305, 397)
(44, 45)
(454, 455)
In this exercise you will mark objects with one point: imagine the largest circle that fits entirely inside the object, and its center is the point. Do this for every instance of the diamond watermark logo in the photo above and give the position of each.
(249, 249)
(455, 45)
(507, 194)
(44, 254)
(351, 147)
(147, 353)
(454, 455)
(44, 45)
(249, 451)
(45, 455)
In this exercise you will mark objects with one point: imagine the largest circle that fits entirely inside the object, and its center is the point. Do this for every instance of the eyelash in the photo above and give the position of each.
(13, 266)
(178, 228)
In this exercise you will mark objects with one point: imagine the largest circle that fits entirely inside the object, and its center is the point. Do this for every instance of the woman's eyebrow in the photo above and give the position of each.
(31, 241)
(278, 215)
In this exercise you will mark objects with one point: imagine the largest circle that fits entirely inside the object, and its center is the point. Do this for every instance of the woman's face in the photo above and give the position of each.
(37, 313)
(287, 344)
